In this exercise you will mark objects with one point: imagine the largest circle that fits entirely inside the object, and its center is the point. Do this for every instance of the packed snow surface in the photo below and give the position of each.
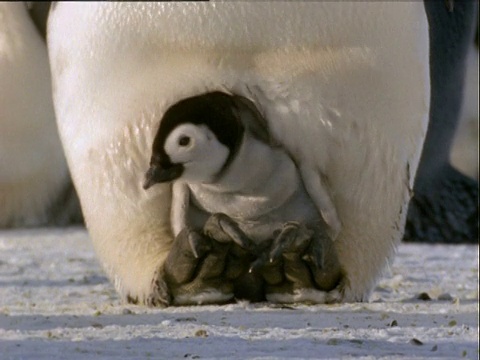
(56, 303)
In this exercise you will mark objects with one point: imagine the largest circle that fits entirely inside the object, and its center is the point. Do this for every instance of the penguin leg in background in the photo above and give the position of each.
(35, 185)
(444, 207)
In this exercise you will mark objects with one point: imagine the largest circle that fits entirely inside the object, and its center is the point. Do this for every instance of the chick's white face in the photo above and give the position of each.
(198, 149)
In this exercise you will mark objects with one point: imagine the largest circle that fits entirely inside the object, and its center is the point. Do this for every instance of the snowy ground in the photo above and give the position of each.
(56, 303)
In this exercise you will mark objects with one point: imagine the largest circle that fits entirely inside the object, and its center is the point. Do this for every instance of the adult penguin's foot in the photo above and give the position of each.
(201, 269)
(444, 210)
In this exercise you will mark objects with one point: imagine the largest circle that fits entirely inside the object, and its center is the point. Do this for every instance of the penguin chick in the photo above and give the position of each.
(218, 149)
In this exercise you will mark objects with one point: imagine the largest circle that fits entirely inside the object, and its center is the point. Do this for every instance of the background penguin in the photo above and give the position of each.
(444, 207)
(236, 183)
(35, 186)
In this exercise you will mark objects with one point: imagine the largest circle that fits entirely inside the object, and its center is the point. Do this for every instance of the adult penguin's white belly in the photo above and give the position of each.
(344, 87)
(33, 170)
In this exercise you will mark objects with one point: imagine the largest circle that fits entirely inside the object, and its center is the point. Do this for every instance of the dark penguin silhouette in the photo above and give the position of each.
(444, 207)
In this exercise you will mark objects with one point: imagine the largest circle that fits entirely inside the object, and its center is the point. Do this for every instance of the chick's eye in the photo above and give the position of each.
(183, 141)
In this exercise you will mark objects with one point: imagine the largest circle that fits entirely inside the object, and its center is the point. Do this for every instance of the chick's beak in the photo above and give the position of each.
(159, 174)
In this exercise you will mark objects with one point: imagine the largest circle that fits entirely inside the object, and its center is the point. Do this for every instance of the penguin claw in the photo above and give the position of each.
(188, 248)
(258, 264)
(293, 238)
(159, 293)
(315, 255)
(223, 229)
(198, 245)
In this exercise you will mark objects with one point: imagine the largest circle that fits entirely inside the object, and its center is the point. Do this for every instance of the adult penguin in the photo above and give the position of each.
(444, 207)
(344, 87)
(35, 185)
